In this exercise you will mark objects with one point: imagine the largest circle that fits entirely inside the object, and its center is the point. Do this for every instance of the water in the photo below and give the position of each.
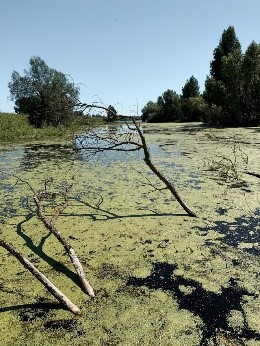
(185, 281)
(30, 157)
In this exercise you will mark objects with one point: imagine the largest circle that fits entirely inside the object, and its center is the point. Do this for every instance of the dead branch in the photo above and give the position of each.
(171, 188)
(253, 174)
(61, 297)
(50, 224)
(95, 142)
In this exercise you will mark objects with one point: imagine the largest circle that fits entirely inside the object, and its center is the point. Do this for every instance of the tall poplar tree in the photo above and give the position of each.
(221, 93)
(251, 79)
(227, 44)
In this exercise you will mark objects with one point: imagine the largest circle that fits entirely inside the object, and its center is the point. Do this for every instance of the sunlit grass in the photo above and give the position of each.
(14, 128)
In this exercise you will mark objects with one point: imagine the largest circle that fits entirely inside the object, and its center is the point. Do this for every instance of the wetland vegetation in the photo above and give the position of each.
(160, 277)
(16, 128)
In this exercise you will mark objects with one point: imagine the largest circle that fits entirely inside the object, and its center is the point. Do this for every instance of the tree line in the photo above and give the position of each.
(232, 90)
(231, 96)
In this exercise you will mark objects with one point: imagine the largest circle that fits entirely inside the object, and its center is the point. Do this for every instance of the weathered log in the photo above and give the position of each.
(61, 297)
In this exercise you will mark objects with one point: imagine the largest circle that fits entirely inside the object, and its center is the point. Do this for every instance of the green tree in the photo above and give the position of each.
(43, 93)
(111, 114)
(192, 109)
(150, 111)
(191, 101)
(223, 87)
(170, 106)
(251, 78)
(232, 101)
(227, 44)
(191, 88)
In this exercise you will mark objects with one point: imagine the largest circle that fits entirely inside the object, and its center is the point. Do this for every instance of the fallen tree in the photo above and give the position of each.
(50, 224)
(61, 297)
(133, 140)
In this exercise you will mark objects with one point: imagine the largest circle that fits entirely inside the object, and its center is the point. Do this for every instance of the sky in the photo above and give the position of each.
(120, 52)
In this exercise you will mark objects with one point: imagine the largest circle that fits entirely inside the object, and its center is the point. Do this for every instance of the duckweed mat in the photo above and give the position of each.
(160, 277)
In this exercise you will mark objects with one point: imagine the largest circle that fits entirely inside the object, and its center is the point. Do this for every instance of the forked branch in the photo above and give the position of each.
(50, 224)
(132, 140)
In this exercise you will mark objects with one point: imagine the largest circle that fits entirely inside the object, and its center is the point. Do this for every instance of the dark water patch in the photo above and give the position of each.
(35, 154)
(8, 211)
(181, 176)
(33, 313)
(38, 310)
(213, 308)
(243, 230)
(221, 211)
(193, 181)
(69, 324)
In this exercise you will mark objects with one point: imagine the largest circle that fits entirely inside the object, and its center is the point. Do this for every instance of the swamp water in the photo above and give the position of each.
(160, 277)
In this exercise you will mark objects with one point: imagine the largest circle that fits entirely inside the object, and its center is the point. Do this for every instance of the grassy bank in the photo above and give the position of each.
(16, 128)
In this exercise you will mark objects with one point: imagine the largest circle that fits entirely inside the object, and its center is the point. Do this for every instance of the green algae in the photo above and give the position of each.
(121, 228)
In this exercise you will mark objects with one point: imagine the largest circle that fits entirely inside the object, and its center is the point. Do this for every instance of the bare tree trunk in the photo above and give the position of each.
(170, 187)
(42, 278)
(50, 225)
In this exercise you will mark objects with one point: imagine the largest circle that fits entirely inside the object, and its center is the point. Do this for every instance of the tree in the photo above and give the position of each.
(150, 111)
(169, 103)
(191, 101)
(232, 101)
(251, 77)
(227, 44)
(192, 109)
(223, 87)
(43, 93)
(232, 91)
(191, 88)
(111, 113)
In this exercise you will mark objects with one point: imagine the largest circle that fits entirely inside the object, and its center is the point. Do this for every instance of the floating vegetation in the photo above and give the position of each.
(160, 277)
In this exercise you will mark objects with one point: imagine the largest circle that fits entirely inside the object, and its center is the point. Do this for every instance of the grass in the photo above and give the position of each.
(15, 128)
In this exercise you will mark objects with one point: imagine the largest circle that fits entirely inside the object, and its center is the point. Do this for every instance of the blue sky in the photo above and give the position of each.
(121, 52)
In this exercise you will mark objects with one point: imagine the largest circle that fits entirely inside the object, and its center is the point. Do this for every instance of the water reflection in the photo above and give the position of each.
(30, 156)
